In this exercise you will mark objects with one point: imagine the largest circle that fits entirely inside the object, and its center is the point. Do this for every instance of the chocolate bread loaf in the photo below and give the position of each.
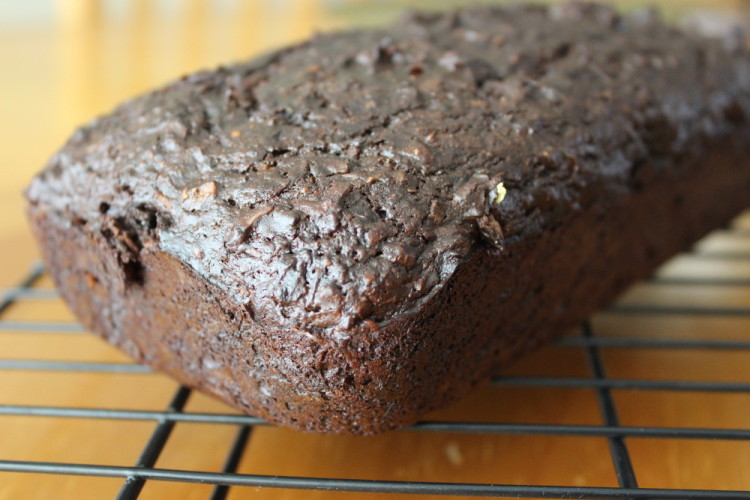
(353, 231)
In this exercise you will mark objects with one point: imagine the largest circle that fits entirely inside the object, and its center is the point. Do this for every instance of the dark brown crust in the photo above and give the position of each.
(484, 318)
(337, 262)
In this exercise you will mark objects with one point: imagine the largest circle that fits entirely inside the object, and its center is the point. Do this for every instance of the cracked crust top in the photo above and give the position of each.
(343, 180)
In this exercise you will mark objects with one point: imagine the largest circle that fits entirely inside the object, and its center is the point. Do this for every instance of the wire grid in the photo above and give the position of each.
(135, 477)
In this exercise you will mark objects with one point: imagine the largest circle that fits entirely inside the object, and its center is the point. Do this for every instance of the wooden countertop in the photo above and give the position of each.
(93, 55)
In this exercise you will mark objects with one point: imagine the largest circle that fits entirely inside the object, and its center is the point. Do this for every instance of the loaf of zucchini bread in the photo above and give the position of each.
(350, 232)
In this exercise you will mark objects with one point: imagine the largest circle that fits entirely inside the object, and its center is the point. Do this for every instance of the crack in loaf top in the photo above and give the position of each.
(344, 179)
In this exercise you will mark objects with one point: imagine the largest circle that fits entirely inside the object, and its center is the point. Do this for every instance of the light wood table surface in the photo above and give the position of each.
(91, 55)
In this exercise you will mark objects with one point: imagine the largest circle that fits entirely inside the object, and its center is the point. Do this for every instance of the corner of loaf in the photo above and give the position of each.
(356, 230)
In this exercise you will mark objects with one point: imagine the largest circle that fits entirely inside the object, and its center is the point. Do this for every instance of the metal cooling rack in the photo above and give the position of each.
(135, 477)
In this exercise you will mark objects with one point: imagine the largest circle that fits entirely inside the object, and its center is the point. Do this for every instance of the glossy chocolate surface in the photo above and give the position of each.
(332, 191)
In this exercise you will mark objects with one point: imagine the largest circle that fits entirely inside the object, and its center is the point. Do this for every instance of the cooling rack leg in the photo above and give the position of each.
(620, 456)
(9, 298)
(154, 446)
(220, 492)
